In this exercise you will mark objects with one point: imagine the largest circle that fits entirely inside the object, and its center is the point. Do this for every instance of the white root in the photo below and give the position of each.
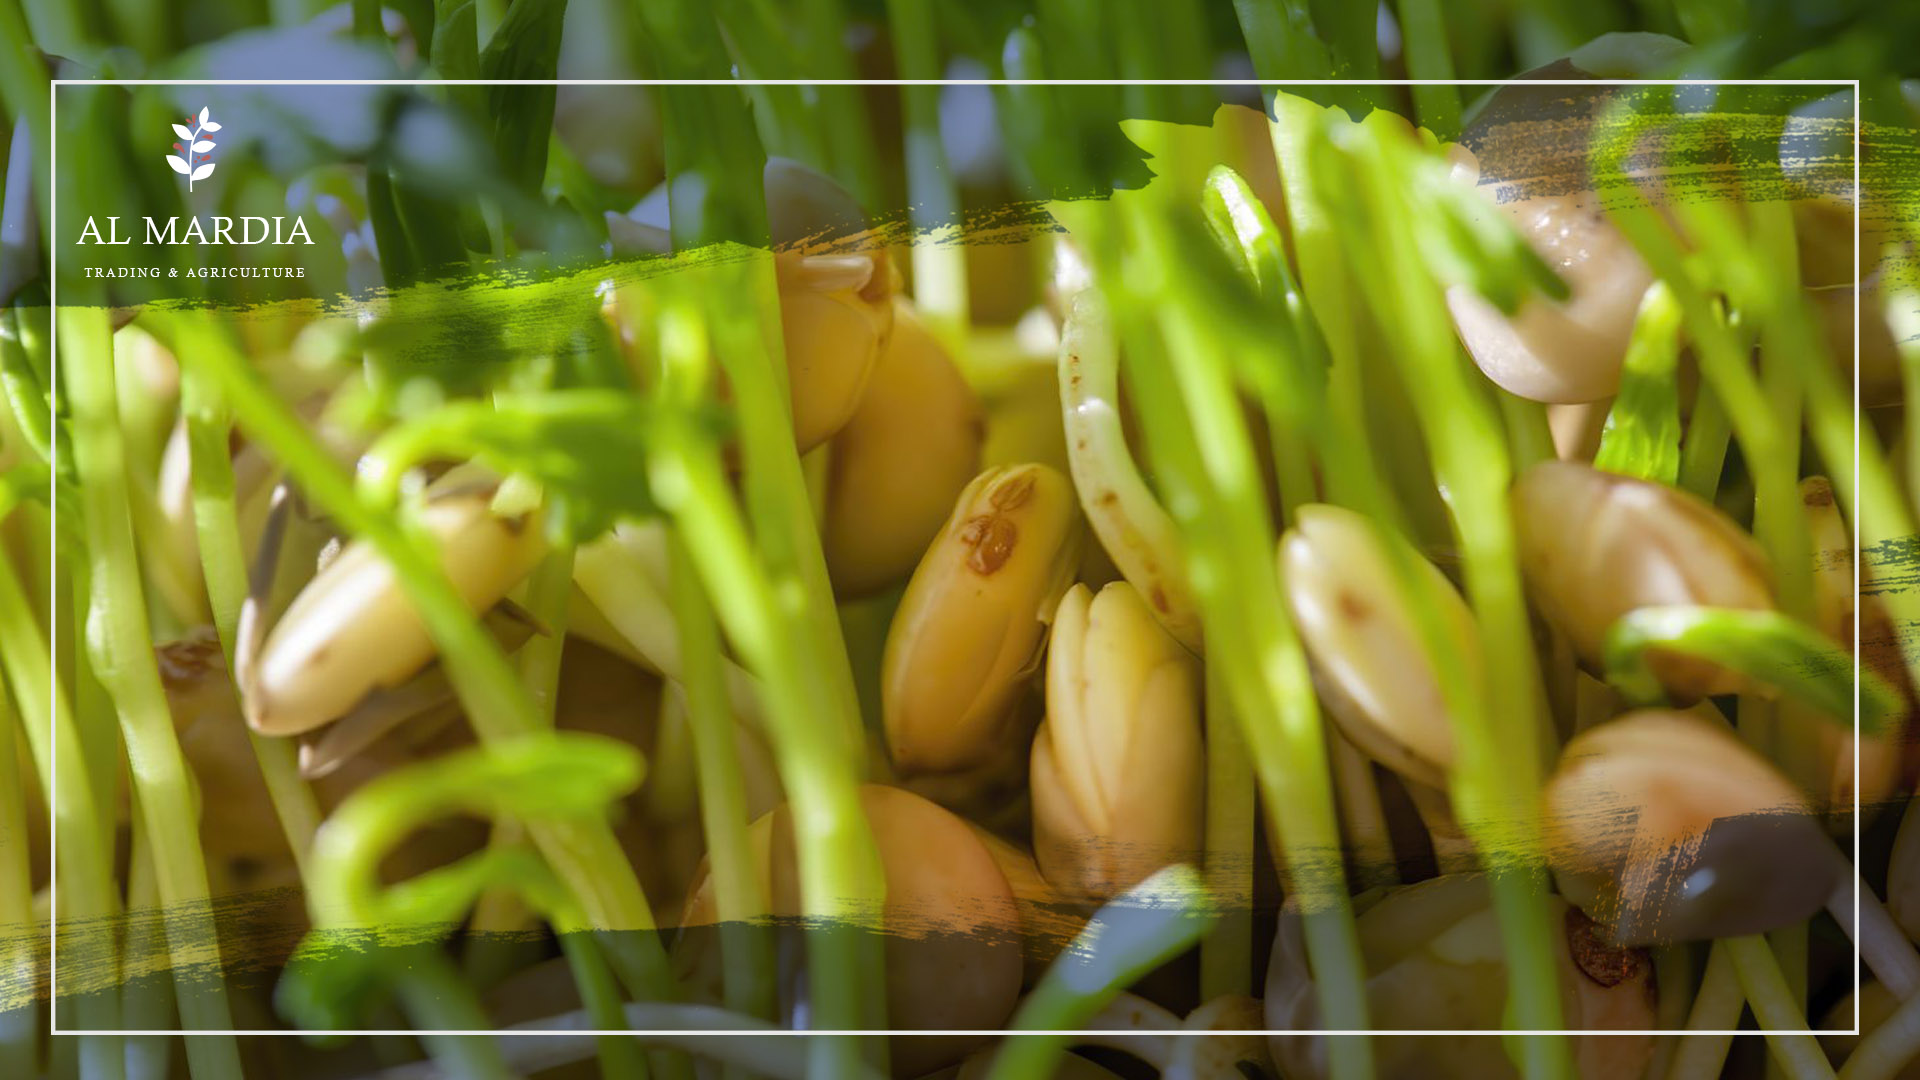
(1122, 510)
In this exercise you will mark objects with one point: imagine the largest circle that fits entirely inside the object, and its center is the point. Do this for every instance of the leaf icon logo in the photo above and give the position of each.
(191, 160)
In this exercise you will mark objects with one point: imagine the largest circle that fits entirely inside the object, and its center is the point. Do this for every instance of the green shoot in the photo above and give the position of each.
(1642, 436)
(1767, 647)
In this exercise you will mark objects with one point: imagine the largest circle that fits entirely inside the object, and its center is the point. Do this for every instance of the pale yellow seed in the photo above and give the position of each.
(968, 633)
(1118, 768)
(1373, 666)
(951, 921)
(1558, 351)
(835, 316)
(1632, 799)
(1595, 546)
(900, 461)
(353, 630)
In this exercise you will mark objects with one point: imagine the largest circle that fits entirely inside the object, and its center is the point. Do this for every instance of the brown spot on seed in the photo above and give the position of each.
(1817, 494)
(1352, 606)
(1159, 598)
(991, 539)
(1108, 498)
(1607, 965)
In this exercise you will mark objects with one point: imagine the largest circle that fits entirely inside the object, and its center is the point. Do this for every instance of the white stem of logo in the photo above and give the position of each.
(191, 161)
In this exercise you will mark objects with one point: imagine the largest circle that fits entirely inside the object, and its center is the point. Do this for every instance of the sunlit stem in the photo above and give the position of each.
(120, 644)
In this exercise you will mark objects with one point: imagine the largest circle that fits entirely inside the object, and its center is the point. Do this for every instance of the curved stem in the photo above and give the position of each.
(583, 852)
(1124, 514)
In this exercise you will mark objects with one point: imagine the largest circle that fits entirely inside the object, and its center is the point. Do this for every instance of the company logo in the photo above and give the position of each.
(190, 159)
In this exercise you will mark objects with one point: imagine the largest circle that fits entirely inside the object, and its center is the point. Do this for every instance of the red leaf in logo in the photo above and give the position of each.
(176, 146)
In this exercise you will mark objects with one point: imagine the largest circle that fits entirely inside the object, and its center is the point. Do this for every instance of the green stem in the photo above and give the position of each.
(1642, 436)
(1198, 434)
(1423, 31)
(1353, 477)
(1529, 438)
(22, 939)
(89, 895)
(437, 999)
(1496, 780)
(841, 110)
(217, 527)
(1280, 40)
(738, 890)
(121, 647)
(549, 588)
(1888, 1049)
(1765, 646)
(939, 268)
(1703, 454)
(21, 382)
(620, 1056)
(1292, 391)
(28, 92)
(145, 991)
(1871, 495)
(1224, 966)
(765, 591)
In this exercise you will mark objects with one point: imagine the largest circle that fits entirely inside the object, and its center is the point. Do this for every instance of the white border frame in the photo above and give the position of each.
(53, 129)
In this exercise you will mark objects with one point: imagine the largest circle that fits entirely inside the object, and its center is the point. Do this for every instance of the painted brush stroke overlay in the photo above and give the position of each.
(473, 317)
